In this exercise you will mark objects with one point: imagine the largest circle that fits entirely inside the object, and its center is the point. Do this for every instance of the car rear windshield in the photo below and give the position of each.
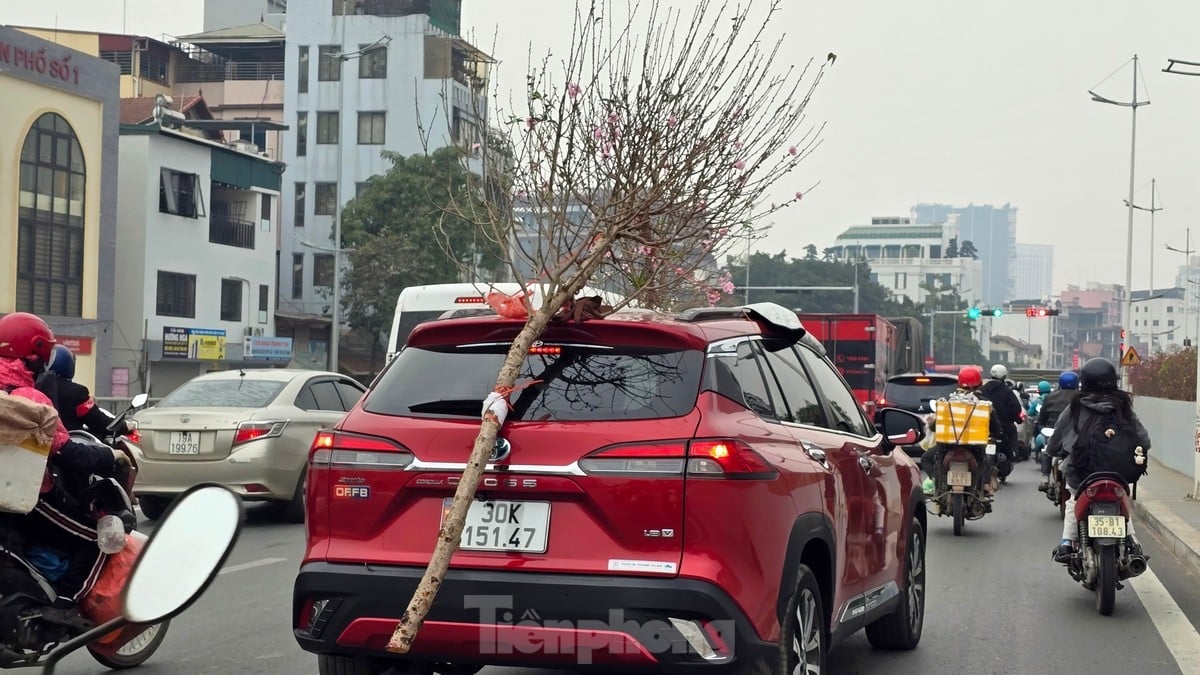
(913, 393)
(240, 393)
(576, 384)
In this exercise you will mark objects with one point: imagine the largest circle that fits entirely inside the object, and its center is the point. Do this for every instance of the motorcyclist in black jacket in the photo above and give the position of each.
(1052, 406)
(1008, 408)
(76, 407)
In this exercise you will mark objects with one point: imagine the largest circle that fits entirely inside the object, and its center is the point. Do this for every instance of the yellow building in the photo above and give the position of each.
(58, 187)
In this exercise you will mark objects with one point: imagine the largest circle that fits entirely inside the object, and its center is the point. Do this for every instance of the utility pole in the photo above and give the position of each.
(1127, 313)
(1171, 63)
(1187, 265)
(1150, 292)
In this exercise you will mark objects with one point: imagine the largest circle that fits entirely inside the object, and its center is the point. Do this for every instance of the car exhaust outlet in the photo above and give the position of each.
(694, 634)
(1137, 565)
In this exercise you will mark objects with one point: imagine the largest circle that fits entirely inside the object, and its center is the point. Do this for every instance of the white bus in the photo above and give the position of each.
(418, 304)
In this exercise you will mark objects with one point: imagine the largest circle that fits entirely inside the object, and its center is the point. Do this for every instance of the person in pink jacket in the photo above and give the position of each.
(59, 525)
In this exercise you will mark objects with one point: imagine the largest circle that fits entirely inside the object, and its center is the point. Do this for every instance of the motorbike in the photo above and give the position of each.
(1105, 555)
(26, 636)
(1056, 491)
(959, 484)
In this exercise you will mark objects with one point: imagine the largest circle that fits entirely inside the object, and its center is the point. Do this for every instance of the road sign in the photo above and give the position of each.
(1131, 357)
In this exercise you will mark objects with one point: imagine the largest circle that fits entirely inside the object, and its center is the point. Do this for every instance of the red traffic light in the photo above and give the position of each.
(1040, 312)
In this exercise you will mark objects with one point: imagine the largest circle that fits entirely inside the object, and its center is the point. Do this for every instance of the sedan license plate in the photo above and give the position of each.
(184, 443)
(1106, 526)
(523, 527)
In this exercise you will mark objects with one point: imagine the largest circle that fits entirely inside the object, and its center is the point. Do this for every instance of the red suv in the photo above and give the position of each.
(681, 492)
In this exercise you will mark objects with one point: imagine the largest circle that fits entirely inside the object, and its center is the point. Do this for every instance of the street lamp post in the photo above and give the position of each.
(1187, 261)
(1171, 63)
(1150, 292)
(1127, 312)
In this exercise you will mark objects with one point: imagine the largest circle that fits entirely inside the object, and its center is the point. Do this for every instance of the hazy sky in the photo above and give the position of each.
(930, 100)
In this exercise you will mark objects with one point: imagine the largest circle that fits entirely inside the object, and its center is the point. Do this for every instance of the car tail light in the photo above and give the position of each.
(134, 435)
(666, 458)
(1106, 491)
(882, 402)
(336, 448)
(253, 431)
(727, 458)
(708, 458)
(470, 300)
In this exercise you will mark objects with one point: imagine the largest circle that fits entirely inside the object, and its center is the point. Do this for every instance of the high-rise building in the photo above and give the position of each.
(992, 231)
(363, 77)
(1033, 272)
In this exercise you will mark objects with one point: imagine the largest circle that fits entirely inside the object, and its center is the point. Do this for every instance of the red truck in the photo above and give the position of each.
(868, 349)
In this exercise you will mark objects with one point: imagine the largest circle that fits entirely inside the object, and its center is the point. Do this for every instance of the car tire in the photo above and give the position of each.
(805, 630)
(153, 507)
(293, 509)
(902, 628)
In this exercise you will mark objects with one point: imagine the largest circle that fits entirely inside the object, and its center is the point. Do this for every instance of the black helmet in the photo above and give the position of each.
(1098, 374)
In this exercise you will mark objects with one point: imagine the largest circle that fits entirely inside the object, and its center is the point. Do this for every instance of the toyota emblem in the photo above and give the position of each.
(500, 450)
(184, 419)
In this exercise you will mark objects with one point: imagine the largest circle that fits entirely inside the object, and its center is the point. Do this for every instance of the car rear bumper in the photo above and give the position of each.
(255, 473)
(527, 619)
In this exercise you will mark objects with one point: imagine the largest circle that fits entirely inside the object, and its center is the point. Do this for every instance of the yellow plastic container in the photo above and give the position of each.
(962, 422)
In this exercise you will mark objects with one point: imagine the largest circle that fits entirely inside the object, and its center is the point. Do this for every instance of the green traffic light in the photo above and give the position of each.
(997, 313)
(973, 313)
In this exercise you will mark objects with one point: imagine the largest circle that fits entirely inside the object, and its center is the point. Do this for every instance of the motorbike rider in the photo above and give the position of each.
(1008, 407)
(76, 407)
(1035, 402)
(58, 523)
(1099, 393)
(970, 379)
(1052, 407)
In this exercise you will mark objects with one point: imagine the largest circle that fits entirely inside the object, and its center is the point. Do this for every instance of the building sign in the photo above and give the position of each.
(120, 382)
(38, 61)
(78, 344)
(260, 348)
(193, 343)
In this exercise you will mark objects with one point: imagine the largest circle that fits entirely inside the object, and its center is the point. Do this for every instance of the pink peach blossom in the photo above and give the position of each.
(672, 121)
(572, 91)
(792, 150)
(799, 195)
(529, 122)
(739, 165)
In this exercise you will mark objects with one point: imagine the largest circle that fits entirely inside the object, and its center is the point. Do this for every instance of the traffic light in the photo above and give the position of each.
(976, 312)
(1040, 312)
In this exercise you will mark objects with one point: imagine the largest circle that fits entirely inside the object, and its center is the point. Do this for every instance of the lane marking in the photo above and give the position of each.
(1172, 624)
(250, 565)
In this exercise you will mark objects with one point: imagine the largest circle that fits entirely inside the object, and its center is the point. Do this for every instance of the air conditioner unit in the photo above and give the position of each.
(258, 332)
(250, 332)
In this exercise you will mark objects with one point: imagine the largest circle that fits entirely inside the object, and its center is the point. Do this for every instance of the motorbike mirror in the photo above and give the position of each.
(176, 565)
(139, 401)
(183, 556)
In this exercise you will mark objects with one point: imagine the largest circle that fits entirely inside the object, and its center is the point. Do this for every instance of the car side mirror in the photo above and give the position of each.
(178, 562)
(900, 427)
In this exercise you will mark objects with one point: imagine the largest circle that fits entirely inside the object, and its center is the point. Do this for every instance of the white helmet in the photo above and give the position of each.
(999, 372)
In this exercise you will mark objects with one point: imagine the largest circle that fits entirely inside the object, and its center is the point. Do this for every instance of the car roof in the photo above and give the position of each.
(266, 374)
(692, 329)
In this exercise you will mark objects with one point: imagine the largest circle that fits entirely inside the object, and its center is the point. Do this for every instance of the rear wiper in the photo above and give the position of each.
(454, 406)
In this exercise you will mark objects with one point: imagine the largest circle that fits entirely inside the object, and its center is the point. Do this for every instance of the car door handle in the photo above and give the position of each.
(866, 462)
(817, 454)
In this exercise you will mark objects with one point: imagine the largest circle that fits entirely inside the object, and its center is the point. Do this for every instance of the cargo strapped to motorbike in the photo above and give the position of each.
(962, 421)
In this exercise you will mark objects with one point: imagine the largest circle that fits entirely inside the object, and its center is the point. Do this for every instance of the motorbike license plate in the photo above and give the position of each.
(1106, 526)
(958, 476)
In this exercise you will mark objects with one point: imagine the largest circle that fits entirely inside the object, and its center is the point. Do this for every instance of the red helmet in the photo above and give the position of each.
(25, 336)
(970, 377)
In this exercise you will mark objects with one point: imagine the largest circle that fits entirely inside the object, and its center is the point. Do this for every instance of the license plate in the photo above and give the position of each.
(959, 478)
(184, 443)
(1106, 526)
(504, 526)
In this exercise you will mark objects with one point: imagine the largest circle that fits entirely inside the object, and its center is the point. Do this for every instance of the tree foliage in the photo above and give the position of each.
(1167, 374)
(954, 338)
(968, 250)
(402, 234)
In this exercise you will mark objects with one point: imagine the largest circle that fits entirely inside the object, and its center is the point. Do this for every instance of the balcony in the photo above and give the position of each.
(223, 71)
(230, 231)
